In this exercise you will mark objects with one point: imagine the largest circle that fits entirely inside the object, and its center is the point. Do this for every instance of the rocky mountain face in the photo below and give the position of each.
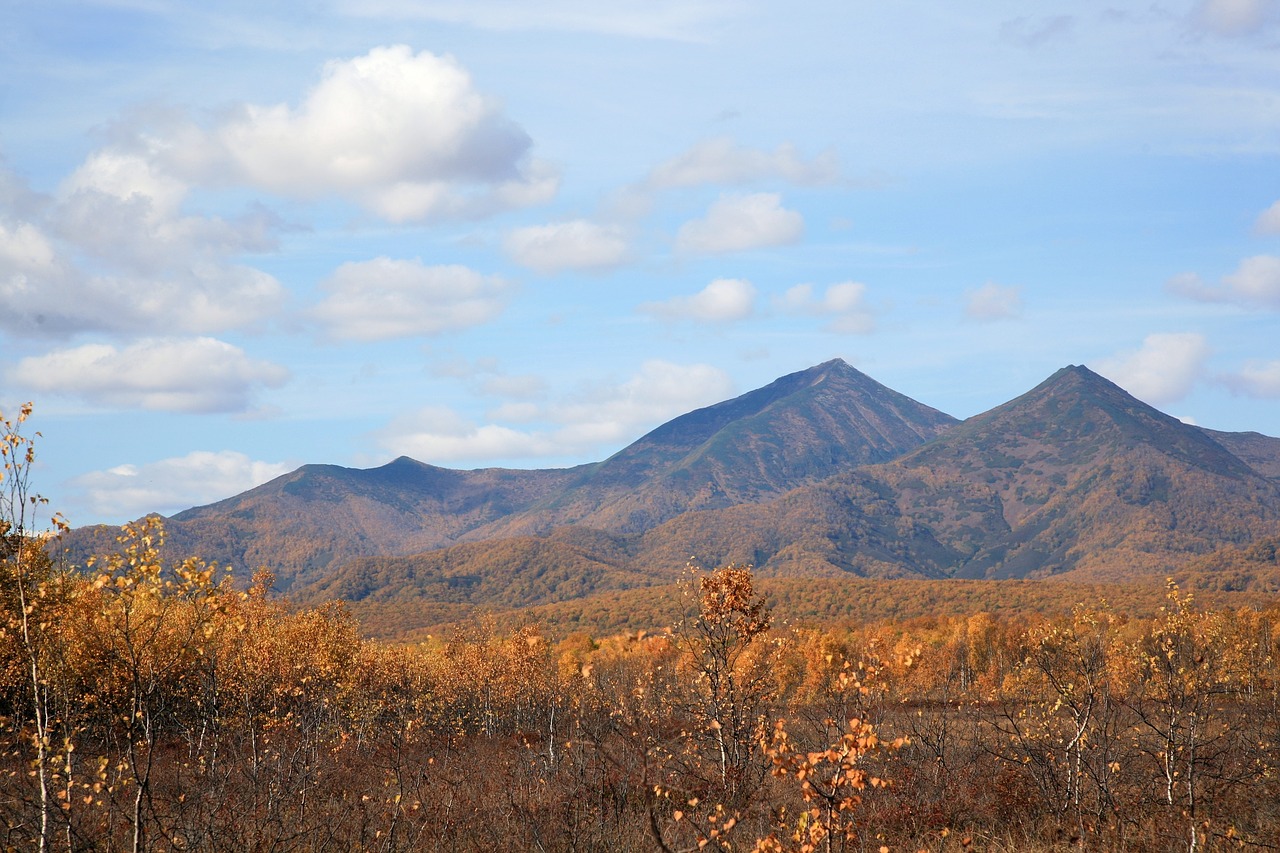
(822, 473)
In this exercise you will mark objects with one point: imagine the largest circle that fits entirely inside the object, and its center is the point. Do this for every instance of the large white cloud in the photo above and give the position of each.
(112, 252)
(592, 422)
(844, 305)
(197, 375)
(722, 301)
(575, 245)
(170, 485)
(1163, 370)
(736, 223)
(723, 161)
(993, 301)
(386, 298)
(405, 134)
(1255, 283)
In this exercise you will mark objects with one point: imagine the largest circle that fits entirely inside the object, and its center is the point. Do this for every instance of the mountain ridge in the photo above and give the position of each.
(823, 472)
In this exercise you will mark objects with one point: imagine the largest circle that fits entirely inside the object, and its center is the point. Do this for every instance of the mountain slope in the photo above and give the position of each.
(319, 514)
(1260, 452)
(1077, 475)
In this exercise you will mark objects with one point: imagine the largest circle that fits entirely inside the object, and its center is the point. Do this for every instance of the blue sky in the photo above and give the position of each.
(236, 238)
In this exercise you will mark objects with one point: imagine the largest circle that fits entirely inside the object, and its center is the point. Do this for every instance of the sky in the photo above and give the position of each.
(236, 237)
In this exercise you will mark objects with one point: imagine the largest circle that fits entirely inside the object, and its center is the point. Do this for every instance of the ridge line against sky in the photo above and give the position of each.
(239, 238)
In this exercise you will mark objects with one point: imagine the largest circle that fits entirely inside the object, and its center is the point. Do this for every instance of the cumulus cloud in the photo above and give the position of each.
(112, 253)
(722, 301)
(122, 207)
(993, 302)
(844, 304)
(1163, 370)
(722, 161)
(171, 485)
(199, 375)
(736, 223)
(405, 134)
(386, 298)
(1255, 379)
(593, 421)
(1255, 283)
(575, 245)
(1232, 17)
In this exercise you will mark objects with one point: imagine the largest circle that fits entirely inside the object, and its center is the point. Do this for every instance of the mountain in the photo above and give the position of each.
(1075, 479)
(1074, 476)
(1077, 475)
(305, 520)
(823, 473)
(798, 430)
(1260, 452)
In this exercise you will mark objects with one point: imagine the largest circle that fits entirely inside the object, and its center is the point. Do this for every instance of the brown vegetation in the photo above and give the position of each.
(154, 706)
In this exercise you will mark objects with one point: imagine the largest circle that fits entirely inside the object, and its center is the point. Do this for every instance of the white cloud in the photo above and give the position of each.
(385, 298)
(170, 485)
(60, 300)
(176, 375)
(1163, 370)
(844, 304)
(659, 391)
(575, 245)
(437, 435)
(993, 302)
(123, 208)
(1232, 17)
(406, 135)
(1256, 283)
(1255, 379)
(736, 223)
(1268, 222)
(722, 161)
(155, 270)
(722, 301)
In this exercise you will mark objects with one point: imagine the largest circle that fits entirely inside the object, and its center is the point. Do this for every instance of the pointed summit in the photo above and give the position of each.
(870, 422)
(796, 430)
(1075, 417)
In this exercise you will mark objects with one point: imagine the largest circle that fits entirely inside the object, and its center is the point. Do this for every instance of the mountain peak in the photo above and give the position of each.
(1080, 415)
